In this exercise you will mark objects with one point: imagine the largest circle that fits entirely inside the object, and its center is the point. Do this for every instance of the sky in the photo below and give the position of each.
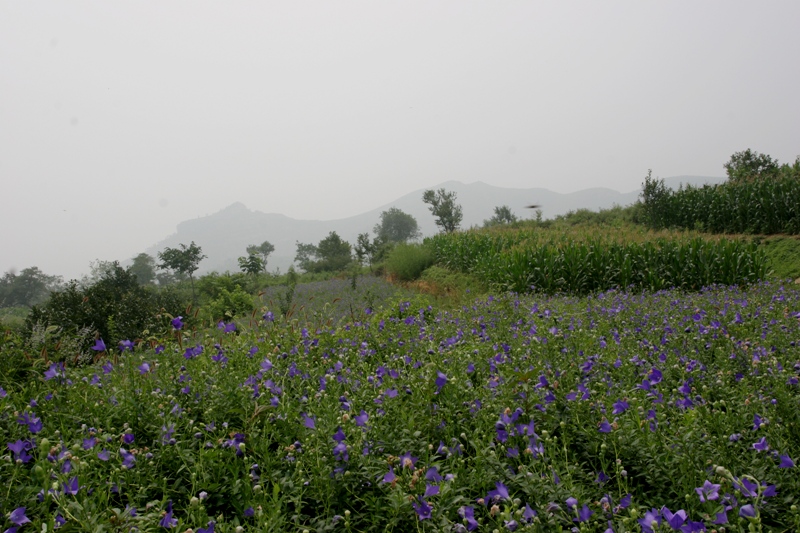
(118, 120)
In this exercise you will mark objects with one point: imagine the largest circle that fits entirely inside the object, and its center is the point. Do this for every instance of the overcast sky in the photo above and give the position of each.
(120, 119)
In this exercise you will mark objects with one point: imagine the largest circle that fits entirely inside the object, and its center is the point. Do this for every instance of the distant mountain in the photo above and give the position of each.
(224, 235)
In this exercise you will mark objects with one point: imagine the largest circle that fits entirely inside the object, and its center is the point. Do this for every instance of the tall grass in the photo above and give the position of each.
(557, 262)
(765, 206)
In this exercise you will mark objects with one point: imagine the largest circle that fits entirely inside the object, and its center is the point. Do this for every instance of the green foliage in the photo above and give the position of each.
(532, 261)
(396, 226)
(756, 207)
(263, 252)
(444, 208)
(184, 260)
(115, 308)
(441, 281)
(348, 428)
(407, 261)
(783, 256)
(749, 165)
(502, 215)
(331, 254)
(228, 305)
(29, 287)
(252, 264)
(144, 268)
(211, 285)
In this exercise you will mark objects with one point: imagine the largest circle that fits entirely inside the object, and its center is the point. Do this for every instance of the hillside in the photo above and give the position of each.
(224, 235)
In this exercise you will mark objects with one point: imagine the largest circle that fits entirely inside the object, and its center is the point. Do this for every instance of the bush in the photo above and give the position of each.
(406, 262)
(115, 308)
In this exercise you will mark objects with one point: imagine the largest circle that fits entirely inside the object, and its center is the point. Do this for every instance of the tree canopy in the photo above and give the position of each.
(331, 254)
(144, 268)
(396, 226)
(31, 286)
(444, 208)
(262, 251)
(502, 215)
(183, 260)
(749, 165)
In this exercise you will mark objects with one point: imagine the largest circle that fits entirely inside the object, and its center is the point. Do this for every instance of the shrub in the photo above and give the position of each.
(406, 262)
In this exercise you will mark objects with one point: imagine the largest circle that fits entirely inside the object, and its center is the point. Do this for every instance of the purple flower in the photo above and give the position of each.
(651, 516)
(620, 407)
(583, 514)
(761, 445)
(499, 493)
(390, 476)
(128, 459)
(422, 508)
(605, 427)
(309, 421)
(103, 455)
(747, 511)
(128, 438)
(708, 492)
(249, 512)
(786, 462)
(430, 490)
(18, 517)
(126, 345)
(34, 424)
(269, 317)
(99, 346)
(20, 448)
(441, 380)
(71, 486)
(167, 520)
(676, 519)
(55, 370)
(407, 460)
(528, 513)
(159, 349)
(144, 368)
(177, 323)
(468, 514)
(361, 419)
(209, 529)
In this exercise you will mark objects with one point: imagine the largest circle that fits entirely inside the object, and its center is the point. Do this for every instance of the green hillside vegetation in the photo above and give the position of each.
(582, 373)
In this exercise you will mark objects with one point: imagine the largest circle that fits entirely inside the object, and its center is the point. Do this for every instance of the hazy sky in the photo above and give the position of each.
(120, 119)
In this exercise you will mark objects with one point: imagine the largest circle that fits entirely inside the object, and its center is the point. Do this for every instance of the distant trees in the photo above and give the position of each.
(262, 251)
(331, 254)
(396, 226)
(749, 165)
(144, 268)
(502, 215)
(444, 208)
(251, 264)
(183, 260)
(30, 287)
(116, 307)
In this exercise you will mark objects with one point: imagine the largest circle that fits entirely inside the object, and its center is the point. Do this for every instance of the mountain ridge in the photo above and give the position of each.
(224, 235)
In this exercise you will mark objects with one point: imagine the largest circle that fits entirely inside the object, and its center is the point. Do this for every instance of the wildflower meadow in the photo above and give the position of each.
(618, 411)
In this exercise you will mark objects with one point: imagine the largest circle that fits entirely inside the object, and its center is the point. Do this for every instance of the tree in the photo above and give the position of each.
(144, 268)
(444, 208)
(262, 251)
(397, 226)
(749, 165)
(331, 254)
(502, 215)
(183, 260)
(31, 286)
(252, 264)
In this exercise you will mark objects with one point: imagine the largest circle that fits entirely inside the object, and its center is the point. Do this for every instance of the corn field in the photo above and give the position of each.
(537, 261)
(767, 206)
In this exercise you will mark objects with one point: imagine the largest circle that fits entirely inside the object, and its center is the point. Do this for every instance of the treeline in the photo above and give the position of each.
(760, 197)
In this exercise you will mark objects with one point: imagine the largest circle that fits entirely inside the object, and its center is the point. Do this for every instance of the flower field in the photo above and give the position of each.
(665, 411)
